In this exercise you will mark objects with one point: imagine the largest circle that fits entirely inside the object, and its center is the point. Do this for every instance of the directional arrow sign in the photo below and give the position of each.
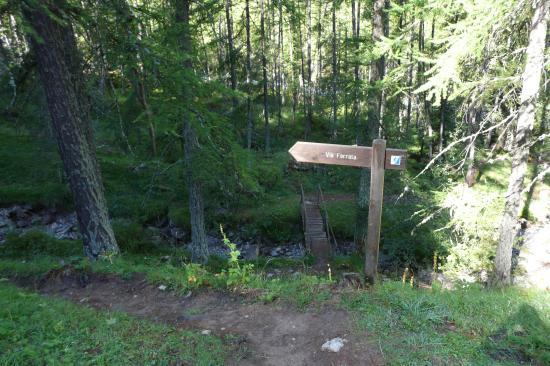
(359, 156)
(377, 158)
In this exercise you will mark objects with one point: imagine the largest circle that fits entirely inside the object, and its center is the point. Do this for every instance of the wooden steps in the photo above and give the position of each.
(316, 238)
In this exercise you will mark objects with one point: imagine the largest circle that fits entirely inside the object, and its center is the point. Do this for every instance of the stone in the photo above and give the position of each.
(275, 252)
(162, 287)
(206, 332)
(351, 279)
(177, 233)
(250, 251)
(334, 345)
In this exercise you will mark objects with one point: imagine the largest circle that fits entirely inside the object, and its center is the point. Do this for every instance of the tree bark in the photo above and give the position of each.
(70, 119)
(232, 66)
(250, 121)
(531, 80)
(374, 100)
(199, 246)
(334, 128)
(264, 73)
(442, 123)
(278, 67)
(309, 121)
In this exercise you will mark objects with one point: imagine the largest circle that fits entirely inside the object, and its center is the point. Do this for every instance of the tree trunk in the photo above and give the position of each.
(373, 122)
(531, 79)
(278, 67)
(250, 122)
(70, 119)
(309, 122)
(442, 123)
(264, 73)
(199, 246)
(334, 126)
(356, 24)
(232, 66)
(319, 53)
(307, 125)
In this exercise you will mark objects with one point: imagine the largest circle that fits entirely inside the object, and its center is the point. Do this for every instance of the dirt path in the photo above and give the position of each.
(262, 334)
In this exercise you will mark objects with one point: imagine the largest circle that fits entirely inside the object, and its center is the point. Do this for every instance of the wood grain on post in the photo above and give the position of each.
(375, 209)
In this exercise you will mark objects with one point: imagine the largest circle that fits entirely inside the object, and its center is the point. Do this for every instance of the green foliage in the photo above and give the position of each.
(277, 220)
(474, 217)
(31, 170)
(35, 243)
(237, 274)
(301, 290)
(132, 237)
(179, 215)
(14, 266)
(37, 330)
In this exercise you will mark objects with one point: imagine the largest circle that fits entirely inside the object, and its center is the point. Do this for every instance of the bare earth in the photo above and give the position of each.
(263, 334)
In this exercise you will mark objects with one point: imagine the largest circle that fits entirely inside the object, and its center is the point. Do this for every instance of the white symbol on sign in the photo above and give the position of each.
(395, 160)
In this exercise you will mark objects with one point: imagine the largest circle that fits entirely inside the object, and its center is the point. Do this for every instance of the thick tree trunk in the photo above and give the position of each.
(70, 119)
(199, 249)
(531, 79)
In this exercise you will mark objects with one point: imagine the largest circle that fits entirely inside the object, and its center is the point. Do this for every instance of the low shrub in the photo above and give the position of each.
(35, 243)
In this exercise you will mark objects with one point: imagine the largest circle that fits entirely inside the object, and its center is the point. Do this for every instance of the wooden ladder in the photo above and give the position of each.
(315, 233)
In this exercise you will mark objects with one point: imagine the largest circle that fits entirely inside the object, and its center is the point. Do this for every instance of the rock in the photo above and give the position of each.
(162, 287)
(445, 282)
(65, 227)
(177, 233)
(351, 279)
(334, 345)
(48, 217)
(250, 251)
(206, 332)
(275, 252)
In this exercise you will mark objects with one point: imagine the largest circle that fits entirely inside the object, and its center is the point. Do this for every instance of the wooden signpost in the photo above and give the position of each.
(377, 158)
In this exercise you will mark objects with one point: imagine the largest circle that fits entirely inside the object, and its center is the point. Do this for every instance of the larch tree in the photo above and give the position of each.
(199, 246)
(374, 99)
(263, 48)
(530, 81)
(53, 42)
(249, 118)
(231, 51)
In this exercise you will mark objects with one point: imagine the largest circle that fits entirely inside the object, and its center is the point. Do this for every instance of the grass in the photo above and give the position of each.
(36, 330)
(468, 326)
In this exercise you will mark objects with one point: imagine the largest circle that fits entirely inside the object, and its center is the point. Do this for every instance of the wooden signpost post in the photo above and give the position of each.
(377, 158)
